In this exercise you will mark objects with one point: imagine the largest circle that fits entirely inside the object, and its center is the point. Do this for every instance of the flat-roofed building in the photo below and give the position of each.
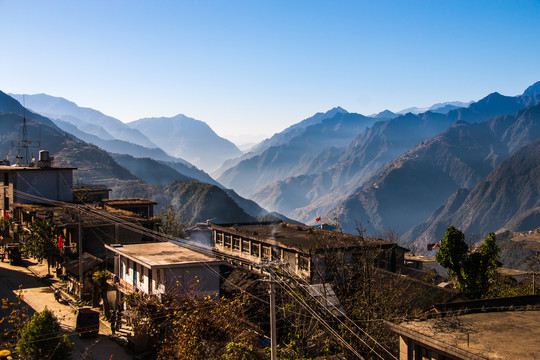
(303, 248)
(504, 328)
(156, 268)
(31, 184)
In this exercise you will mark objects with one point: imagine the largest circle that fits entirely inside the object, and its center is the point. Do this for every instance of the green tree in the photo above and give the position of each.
(100, 279)
(42, 339)
(198, 328)
(471, 270)
(170, 222)
(40, 242)
(5, 226)
(13, 318)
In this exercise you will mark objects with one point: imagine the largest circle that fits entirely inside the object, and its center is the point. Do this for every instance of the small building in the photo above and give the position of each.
(303, 248)
(141, 207)
(88, 194)
(506, 328)
(99, 227)
(425, 263)
(31, 184)
(90, 264)
(156, 268)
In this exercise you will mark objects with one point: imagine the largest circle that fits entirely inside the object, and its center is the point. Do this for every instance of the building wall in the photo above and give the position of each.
(256, 252)
(54, 184)
(198, 280)
(413, 350)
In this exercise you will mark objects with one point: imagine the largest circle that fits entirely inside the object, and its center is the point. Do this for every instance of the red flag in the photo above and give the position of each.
(436, 245)
(5, 214)
(318, 219)
(60, 242)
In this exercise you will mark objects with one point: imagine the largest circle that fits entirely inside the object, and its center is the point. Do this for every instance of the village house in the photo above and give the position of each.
(156, 268)
(35, 184)
(47, 192)
(503, 328)
(304, 249)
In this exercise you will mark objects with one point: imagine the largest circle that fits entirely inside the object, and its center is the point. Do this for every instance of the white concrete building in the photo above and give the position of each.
(156, 268)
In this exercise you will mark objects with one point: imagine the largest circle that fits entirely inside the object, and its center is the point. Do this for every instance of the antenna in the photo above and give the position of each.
(23, 145)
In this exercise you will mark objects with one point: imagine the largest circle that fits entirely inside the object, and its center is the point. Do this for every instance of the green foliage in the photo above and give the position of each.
(453, 251)
(194, 328)
(40, 242)
(42, 339)
(100, 278)
(13, 318)
(5, 226)
(170, 222)
(507, 286)
(471, 271)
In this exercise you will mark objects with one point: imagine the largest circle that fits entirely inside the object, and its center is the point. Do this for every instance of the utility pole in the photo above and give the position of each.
(81, 274)
(272, 291)
(273, 333)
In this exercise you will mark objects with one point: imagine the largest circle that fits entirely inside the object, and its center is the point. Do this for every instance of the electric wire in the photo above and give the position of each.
(293, 277)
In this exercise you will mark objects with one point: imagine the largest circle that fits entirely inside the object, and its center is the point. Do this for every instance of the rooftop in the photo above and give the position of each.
(65, 216)
(420, 258)
(25, 168)
(500, 335)
(162, 254)
(89, 262)
(299, 237)
(128, 201)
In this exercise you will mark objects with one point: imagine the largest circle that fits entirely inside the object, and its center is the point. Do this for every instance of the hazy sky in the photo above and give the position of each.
(255, 67)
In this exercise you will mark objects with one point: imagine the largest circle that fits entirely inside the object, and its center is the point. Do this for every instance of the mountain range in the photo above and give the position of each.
(416, 171)
(508, 198)
(182, 140)
(321, 191)
(188, 138)
(96, 166)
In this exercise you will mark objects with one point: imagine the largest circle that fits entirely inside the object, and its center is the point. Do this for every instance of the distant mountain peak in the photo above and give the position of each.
(533, 89)
(385, 115)
(340, 109)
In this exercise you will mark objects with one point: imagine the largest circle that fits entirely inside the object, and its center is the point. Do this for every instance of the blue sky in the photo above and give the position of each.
(252, 68)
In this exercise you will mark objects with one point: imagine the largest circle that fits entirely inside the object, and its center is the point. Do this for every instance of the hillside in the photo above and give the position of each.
(294, 157)
(195, 201)
(507, 193)
(117, 146)
(87, 119)
(319, 191)
(93, 164)
(520, 249)
(149, 170)
(409, 188)
(187, 138)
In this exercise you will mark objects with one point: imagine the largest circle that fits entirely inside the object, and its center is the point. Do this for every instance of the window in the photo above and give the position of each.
(303, 263)
(228, 241)
(236, 244)
(127, 267)
(245, 246)
(266, 253)
(255, 249)
(219, 238)
(6, 179)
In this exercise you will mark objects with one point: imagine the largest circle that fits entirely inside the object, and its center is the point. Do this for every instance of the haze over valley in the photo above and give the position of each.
(402, 171)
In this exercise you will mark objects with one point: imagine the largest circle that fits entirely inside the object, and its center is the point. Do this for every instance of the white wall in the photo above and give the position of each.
(194, 279)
